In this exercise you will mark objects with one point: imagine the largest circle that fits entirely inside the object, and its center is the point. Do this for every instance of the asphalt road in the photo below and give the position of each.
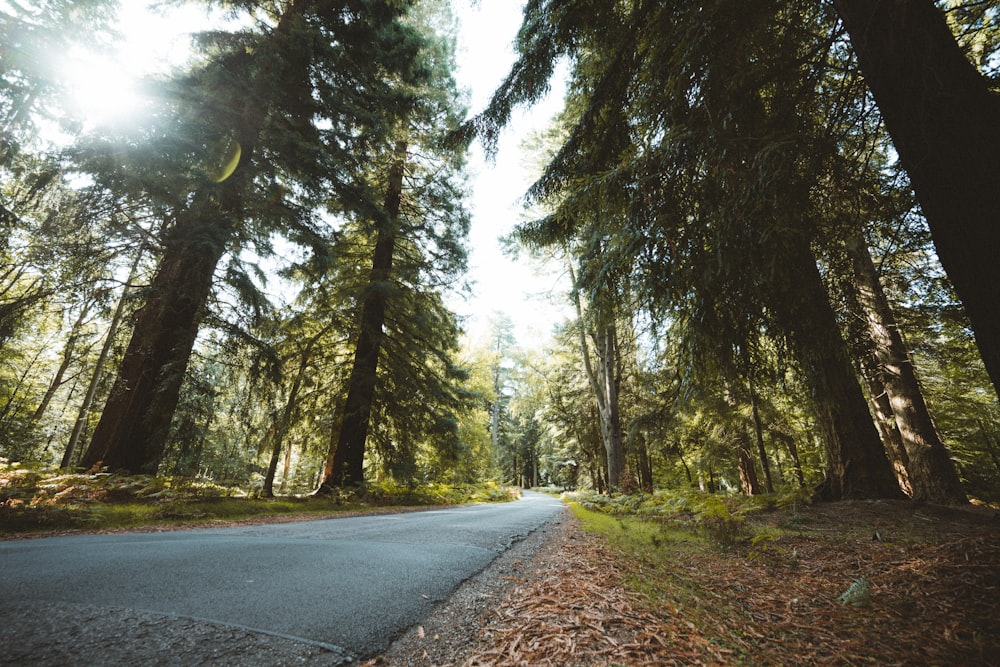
(352, 584)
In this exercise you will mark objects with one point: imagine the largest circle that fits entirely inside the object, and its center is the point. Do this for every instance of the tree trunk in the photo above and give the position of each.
(857, 466)
(102, 359)
(64, 364)
(793, 452)
(942, 116)
(132, 433)
(929, 466)
(286, 469)
(607, 381)
(758, 428)
(887, 424)
(349, 457)
(643, 462)
(285, 420)
(749, 484)
(604, 385)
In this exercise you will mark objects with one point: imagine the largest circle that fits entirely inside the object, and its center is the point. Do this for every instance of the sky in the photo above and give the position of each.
(532, 296)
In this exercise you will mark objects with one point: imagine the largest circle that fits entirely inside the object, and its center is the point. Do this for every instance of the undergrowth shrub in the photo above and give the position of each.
(723, 519)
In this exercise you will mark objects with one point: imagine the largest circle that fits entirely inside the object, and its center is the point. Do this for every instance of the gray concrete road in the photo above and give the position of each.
(350, 585)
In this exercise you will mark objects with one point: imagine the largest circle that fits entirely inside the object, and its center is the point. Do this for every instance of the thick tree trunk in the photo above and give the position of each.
(944, 121)
(349, 457)
(132, 433)
(930, 470)
(857, 466)
(98, 372)
(886, 423)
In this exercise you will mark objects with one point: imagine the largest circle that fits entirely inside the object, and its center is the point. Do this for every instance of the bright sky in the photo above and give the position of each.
(531, 295)
(532, 298)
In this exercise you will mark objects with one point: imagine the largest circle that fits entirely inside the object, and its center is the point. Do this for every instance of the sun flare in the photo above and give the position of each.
(100, 90)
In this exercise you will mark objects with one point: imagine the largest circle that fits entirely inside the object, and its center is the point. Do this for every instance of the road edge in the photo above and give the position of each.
(446, 634)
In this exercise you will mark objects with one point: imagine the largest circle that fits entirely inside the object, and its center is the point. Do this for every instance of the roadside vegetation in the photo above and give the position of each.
(34, 500)
(737, 581)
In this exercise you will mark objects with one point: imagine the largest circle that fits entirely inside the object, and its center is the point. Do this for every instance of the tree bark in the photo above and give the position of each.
(758, 428)
(607, 382)
(943, 119)
(67, 359)
(857, 466)
(930, 470)
(102, 359)
(349, 457)
(886, 423)
(131, 435)
(604, 385)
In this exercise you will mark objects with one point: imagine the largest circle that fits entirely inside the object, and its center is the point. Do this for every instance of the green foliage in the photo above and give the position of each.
(723, 519)
(720, 518)
(858, 594)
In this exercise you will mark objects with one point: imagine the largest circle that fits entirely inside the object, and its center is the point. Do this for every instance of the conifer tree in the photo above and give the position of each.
(273, 118)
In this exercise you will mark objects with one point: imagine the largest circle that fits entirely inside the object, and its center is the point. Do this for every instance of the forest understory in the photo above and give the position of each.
(786, 596)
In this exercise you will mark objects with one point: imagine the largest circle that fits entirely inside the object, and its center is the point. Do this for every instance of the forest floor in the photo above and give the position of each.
(848, 583)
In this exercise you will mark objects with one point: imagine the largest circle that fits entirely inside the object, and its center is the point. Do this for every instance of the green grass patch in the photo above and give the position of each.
(652, 551)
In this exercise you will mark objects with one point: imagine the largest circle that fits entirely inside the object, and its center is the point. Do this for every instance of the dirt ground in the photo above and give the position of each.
(930, 596)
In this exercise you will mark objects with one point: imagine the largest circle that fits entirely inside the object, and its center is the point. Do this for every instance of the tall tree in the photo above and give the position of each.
(941, 112)
(347, 467)
(928, 463)
(706, 200)
(295, 101)
(404, 388)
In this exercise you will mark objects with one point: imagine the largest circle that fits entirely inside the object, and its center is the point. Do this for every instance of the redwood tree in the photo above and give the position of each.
(298, 99)
(942, 114)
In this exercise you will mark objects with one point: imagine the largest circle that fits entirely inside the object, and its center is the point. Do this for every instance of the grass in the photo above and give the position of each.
(778, 583)
(651, 548)
(38, 500)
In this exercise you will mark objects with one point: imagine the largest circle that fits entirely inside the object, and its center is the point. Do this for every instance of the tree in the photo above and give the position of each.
(704, 200)
(605, 379)
(940, 111)
(347, 467)
(403, 377)
(268, 94)
(928, 463)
